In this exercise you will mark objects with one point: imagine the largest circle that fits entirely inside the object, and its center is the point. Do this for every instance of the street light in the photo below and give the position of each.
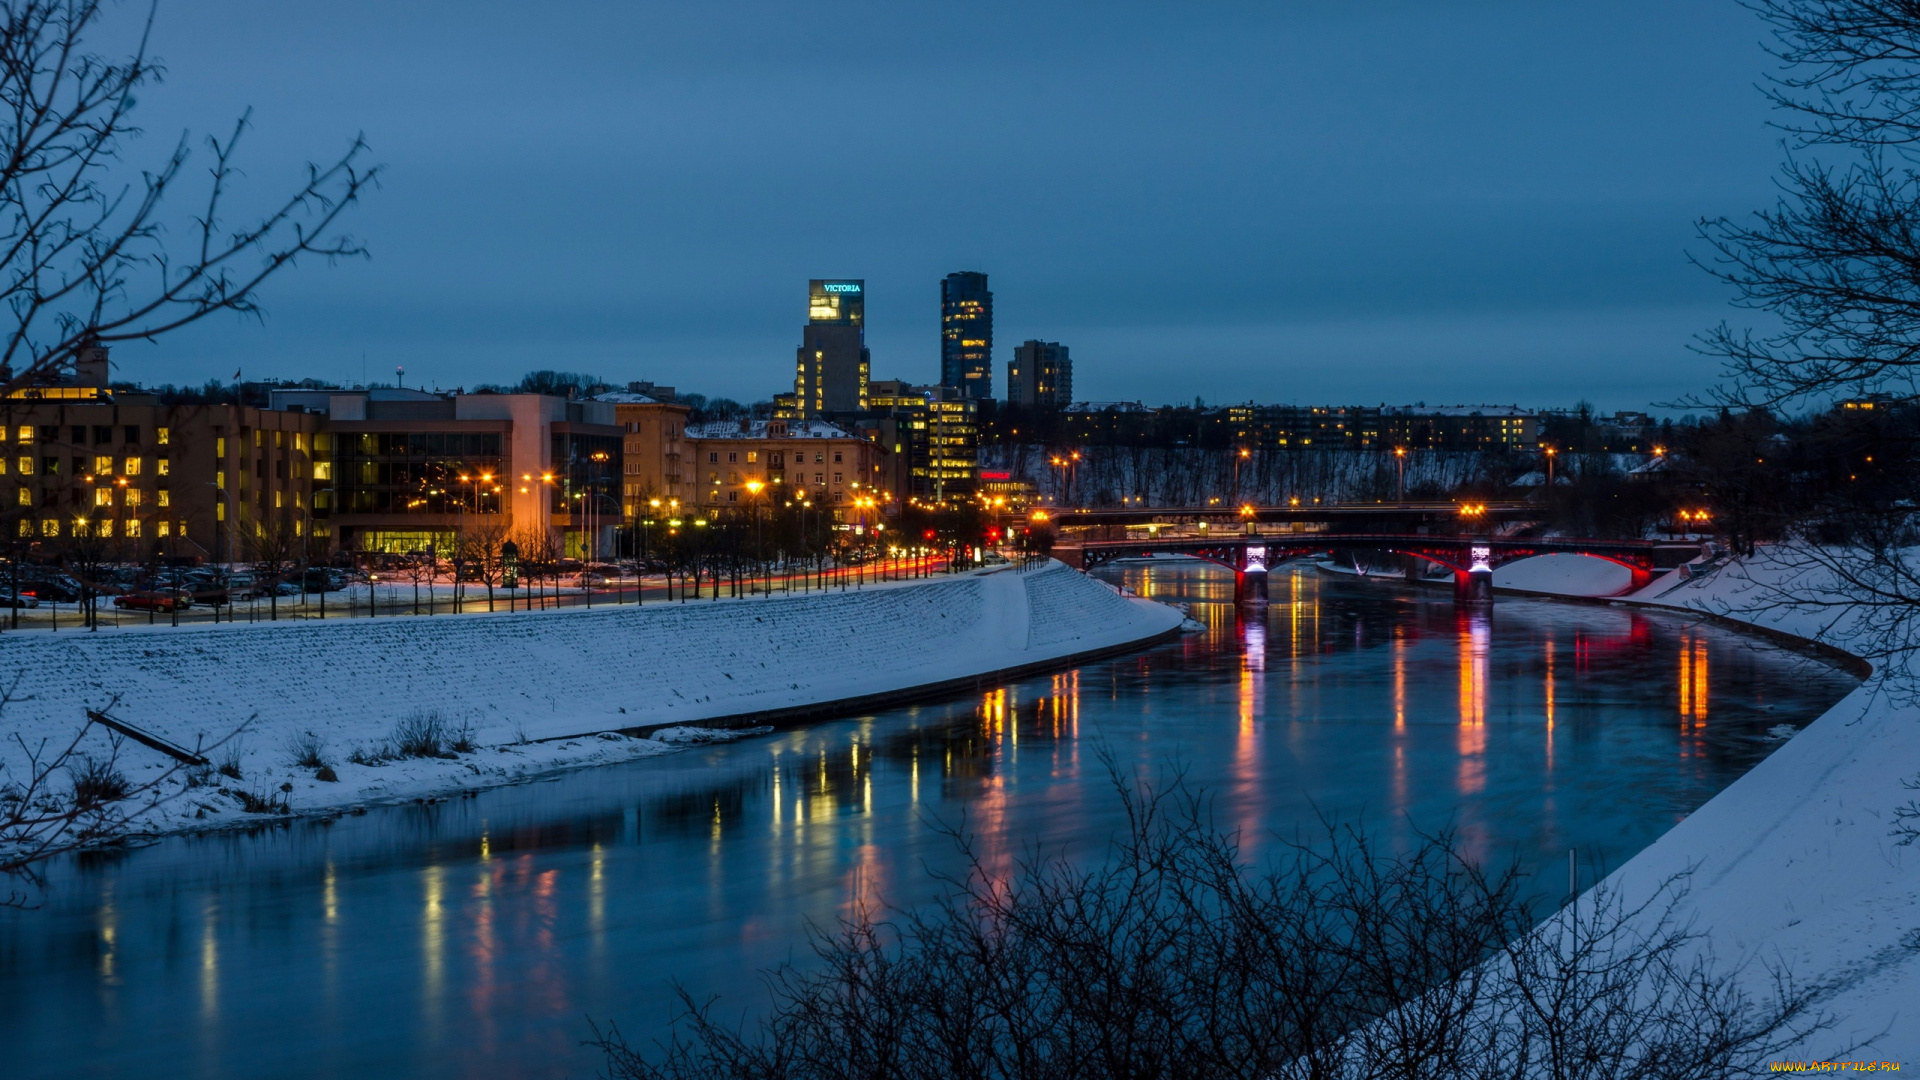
(753, 499)
(1400, 462)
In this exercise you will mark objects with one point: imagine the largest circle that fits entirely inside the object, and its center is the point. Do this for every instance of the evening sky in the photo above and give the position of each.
(1313, 202)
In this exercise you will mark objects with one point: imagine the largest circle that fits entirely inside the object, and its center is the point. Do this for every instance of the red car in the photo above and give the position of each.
(152, 601)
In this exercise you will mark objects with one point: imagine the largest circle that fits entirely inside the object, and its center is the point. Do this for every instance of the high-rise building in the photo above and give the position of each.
(833, 363)
(966, 334)
(1040, 376)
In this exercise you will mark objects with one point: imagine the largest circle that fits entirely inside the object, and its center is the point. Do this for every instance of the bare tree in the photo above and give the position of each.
(1837, 258)
(82, 261)
(1175, 958)
(480, 549)
(60, 797)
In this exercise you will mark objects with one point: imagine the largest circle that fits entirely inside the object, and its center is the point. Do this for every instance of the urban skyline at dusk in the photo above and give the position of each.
(1291, 205)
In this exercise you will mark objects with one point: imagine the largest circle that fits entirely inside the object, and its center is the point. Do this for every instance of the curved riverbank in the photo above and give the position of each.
(540, 691)
(1795, 864)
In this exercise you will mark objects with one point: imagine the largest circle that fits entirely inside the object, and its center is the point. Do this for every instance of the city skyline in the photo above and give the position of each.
(1280, 205)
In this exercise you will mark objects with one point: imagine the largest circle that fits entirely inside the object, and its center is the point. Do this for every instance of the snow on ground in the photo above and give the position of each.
(1794, 862)
(1575, 575)
(534, 692)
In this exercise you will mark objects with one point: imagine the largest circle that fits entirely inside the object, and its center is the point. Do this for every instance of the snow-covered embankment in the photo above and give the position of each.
(1795, 862)
(537, 691)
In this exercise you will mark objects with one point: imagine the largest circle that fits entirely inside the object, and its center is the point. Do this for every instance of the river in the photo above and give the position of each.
(476, 937)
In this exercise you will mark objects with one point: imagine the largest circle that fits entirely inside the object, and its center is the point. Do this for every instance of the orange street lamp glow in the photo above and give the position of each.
(1246, 510)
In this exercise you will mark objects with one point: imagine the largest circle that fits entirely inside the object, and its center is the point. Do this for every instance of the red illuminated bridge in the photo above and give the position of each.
(1471, 558)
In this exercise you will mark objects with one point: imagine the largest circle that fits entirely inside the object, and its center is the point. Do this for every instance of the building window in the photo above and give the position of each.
(26, 497)
(103, 496)
(50, 465)
(26, 466)
(276, 500)
(161, 466)
(836, 457)
(131, 466)
(133, 529)
(133, 434)
(50, 527)
(713, 457)
(160, 435)
(26, 432)
(133, 497)
(102, 434)
(753, 456)
(837, 478)
(161, 498)
(103, 466)
(219, 511)
(79, 435)
(165, 528)
(732, 457)
(820, 479)
(733, 496)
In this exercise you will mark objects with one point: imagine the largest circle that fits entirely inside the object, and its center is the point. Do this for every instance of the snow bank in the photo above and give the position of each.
(1569, 575)
(568, 676)
(1794, 862)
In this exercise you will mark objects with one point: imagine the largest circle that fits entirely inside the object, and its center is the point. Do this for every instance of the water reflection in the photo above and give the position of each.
(288, 952)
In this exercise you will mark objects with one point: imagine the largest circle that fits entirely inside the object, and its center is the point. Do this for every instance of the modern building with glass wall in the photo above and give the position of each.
(412, 470)
(832, 364)
(1040, 376)
(966, 334)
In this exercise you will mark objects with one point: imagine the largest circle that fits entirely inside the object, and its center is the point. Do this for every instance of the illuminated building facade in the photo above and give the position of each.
(1040, 376)
(966, 335)
(739, 463)
(832, 364)
(654, 463)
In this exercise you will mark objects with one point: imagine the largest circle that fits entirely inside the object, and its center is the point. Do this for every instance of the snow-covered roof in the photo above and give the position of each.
(625, 397)
(1460, 410)
(758, 429)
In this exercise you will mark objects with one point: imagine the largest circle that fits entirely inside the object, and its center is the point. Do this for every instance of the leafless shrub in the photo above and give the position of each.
(308, 750)
(229, 764)
(462, 741)
(96, 783)
(1176, 959)
(421, 734)
(260, 803)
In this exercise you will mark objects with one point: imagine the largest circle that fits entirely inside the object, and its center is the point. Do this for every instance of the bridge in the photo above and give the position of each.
(1411, 516)
(1472, 559)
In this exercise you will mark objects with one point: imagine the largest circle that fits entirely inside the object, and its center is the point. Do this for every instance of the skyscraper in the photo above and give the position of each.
(833, 362)
(1040, 376)
(966, 334)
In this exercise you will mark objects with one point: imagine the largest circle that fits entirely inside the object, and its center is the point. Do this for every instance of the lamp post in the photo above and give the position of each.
(1400, 462)
(754, 488)
(1550, 456)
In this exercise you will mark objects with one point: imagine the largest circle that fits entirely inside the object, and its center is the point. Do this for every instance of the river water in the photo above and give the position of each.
(477, 937)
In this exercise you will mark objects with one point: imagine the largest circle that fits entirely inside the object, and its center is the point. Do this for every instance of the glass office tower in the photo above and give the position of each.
(832, 365)
(966, 334)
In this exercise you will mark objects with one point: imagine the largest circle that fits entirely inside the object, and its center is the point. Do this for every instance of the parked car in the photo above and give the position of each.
(594, 579)
(8, 600)
(324, 579)
(149, 600)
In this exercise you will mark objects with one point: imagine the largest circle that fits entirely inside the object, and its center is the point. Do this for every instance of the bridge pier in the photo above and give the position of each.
(1250, 586)
(1473, 587)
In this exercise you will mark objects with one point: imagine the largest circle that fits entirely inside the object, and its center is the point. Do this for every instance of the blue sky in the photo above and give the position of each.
(1341, 202)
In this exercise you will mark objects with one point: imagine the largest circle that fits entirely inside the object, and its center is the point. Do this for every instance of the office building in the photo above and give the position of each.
(1040, 376)
(654, 465)
(832, 363)
(742, 463)
(1460, 427)
(411, 470)
(966, 335)
(137, 479)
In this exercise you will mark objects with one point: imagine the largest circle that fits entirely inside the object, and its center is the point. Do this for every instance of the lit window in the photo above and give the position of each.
(160, 435)
(131, 466)
(103, 496)
(26, 497)
(133, 528)
(276, 500)
(219, 446)
(133, 497)
(26, 432)
(161, 466)
(220, 511)
(50, 527)
(103, 466)
(164, 528)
